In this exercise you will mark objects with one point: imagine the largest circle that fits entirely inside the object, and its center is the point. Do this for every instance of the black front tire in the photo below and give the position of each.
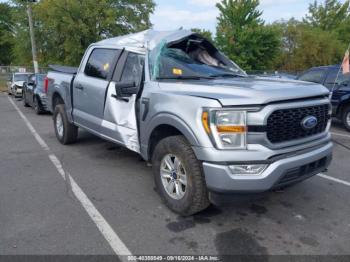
(196, 195)
(70, 131)
(346, 117)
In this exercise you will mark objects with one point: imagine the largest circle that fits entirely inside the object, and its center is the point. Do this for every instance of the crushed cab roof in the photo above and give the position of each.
(141, 41)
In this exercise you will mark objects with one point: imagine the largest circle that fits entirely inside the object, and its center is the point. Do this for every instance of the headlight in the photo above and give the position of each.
(227, 128)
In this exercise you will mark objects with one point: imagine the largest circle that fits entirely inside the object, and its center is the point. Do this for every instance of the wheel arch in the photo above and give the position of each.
(344, 103)
(165, 126)
(56, 100)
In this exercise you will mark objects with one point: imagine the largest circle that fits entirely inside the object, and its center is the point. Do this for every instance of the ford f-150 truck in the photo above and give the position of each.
(205, 125)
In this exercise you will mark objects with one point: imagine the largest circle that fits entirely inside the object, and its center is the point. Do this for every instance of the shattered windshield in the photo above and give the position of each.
(191, 58)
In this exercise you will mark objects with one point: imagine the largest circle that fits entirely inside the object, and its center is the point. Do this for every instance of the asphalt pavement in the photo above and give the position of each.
(41, 213)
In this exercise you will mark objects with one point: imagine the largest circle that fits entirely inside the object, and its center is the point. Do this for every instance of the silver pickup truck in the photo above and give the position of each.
(204, 124)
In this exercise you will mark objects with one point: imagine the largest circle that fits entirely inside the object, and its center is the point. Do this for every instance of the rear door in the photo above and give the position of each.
(90, 85)
(120, 121)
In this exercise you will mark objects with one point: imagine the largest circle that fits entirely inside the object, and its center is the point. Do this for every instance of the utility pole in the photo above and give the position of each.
(32, 39)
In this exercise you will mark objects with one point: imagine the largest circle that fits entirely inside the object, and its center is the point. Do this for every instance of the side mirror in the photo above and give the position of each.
(30, 83)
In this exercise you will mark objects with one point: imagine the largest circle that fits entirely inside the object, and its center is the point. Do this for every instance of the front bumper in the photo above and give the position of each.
(18, 92)
(279, 173)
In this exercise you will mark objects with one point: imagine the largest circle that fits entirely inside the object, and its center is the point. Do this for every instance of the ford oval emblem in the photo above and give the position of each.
(309, 122)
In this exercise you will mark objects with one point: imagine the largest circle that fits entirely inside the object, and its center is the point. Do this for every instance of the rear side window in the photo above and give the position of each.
(333, 74)
(100, 63)
(133, 68)
(315, 76)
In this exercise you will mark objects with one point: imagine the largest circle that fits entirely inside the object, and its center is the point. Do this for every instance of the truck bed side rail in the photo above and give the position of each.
(64, 69)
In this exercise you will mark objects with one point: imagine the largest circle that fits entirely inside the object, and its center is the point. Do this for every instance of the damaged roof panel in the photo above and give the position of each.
(148, 39)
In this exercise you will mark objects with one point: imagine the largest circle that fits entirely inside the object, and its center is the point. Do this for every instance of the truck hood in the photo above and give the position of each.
(246, 90)
(18, 83)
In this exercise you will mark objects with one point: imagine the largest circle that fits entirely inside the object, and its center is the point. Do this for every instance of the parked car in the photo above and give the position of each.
(15, 83)
(206, 126)
(327, 75)
(34, 93)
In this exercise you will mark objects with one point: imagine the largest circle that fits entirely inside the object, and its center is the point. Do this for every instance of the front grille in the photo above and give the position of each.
(300, 173)
(285, 125)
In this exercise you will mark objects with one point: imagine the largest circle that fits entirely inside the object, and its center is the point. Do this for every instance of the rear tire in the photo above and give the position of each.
(346, 117)
(194, 196)
(37, 106)
(66, 132)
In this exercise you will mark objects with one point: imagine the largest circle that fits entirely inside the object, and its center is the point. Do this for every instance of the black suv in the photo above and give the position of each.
(326, 75)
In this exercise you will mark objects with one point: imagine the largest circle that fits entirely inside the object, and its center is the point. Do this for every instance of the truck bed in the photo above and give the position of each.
(60, 83)
(64, 69)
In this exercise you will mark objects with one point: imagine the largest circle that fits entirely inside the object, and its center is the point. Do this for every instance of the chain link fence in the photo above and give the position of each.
(6, 71)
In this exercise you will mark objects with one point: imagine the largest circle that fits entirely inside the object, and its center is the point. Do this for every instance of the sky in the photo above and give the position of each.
(172, 14)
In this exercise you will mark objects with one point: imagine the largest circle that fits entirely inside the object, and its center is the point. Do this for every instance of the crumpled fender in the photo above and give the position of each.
(171, 120)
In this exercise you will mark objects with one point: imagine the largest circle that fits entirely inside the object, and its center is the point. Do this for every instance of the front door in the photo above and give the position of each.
(90, 85)
(120, 122)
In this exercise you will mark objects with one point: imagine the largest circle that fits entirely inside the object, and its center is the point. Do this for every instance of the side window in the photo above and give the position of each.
(100, 63)
(315, 76)
(133, 67)
(332, 77)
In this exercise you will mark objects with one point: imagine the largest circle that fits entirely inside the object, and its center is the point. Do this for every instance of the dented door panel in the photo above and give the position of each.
(120, 119)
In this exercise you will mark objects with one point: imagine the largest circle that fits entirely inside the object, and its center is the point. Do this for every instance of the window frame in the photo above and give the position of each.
(120, 67)
(118, 54)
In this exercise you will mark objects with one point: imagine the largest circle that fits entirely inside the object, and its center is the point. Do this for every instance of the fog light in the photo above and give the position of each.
(247, 169)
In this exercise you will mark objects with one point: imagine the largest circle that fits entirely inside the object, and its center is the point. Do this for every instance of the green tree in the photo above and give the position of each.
(6, 34)
(206, 33)
(21, 46)
(243, 36)
(64, 29)
(304, 46)
(327, 16)
(331, 16)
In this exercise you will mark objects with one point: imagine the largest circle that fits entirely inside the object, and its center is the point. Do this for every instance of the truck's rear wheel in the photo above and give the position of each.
(179, 177)
(66, 132)
(346, 118)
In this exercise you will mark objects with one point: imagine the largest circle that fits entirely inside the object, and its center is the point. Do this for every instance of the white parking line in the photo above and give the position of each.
(106, 230)
(339, 134)
(334, 179)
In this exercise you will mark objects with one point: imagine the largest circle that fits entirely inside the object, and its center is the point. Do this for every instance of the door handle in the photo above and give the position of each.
(80, 87)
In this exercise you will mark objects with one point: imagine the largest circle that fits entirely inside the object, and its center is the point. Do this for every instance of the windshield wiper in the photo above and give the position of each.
(184, 78)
